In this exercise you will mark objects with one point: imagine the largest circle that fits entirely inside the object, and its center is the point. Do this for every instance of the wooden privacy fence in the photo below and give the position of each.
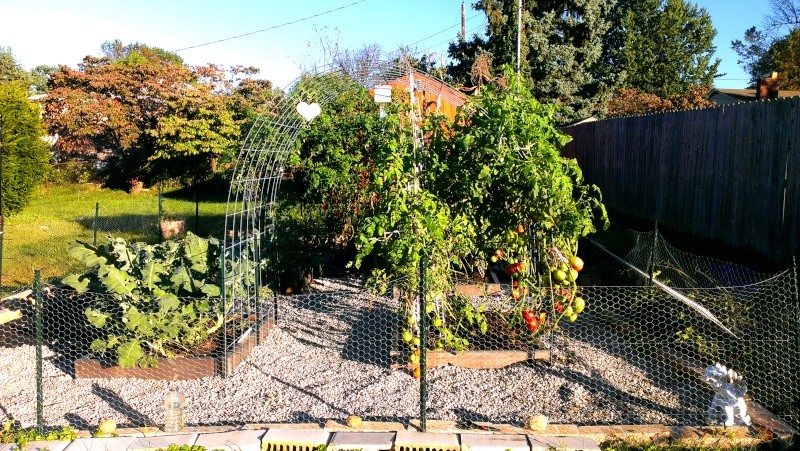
(729, 173)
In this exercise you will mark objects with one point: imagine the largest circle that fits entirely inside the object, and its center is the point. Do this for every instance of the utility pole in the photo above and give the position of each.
(463, 23)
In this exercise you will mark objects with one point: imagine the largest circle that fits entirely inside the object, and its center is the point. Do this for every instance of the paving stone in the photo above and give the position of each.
(38, 445)
(294, 439)
(232, 440)
(494, 442)
(364, 441)
(161, 441)
(366, 426)
(567, 442)
(561, 429)
(425, 441)
(100, 444)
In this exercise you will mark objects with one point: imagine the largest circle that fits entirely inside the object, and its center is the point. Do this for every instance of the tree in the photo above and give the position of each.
(783, 14)
(786, 56)
(25, 154)
(561, 51)
(668, 47)
(760, 50)
(154, 116)
(10, 69)
(753, 54)
(632, 102)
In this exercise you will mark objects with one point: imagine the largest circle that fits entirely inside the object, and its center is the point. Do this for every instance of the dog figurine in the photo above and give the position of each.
(728, 406)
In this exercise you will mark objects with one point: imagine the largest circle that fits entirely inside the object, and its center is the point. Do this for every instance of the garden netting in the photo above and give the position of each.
(334, 349)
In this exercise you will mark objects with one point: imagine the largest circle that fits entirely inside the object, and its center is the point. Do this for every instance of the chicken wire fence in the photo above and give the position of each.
(45, 242)
(634, 356)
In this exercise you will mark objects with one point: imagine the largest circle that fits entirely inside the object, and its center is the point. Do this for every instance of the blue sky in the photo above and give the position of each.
(64, 31)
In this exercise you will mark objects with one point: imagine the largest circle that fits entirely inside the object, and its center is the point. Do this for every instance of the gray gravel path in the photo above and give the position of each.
(329, 358)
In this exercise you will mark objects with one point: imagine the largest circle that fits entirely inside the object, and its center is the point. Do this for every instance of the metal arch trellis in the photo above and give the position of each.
(250, 220)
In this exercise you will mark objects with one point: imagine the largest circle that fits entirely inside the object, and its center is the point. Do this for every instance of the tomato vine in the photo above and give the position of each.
(493, 191)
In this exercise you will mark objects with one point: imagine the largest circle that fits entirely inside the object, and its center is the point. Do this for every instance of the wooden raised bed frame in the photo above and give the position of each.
(181, 368)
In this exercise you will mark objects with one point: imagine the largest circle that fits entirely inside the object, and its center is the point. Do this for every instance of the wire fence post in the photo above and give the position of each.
(37, 318)
(96, 222)
(196, 212)
(2, 234)
(224, 299)
(652, 266)
(160, 215)
(423, 347)
(2, 218)
(796, 302)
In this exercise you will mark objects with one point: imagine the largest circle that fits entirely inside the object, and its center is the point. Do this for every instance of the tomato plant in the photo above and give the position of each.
(493, 187)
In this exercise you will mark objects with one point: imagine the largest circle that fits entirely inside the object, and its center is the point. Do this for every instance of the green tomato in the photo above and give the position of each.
(572, 275)
(437, 322)
(429, 308)
(579, 304)
(572, 318)
(569, 311)
(410, 320)
(407, 336)
(511, 236)
(413, 359)
(559, 276)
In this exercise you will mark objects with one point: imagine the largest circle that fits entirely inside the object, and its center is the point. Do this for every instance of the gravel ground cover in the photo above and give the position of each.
(329, 358)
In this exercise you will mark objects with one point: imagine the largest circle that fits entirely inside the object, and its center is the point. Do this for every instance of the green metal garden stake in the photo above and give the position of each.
(224, 300)
(2, 218)
(196, 212)
(96, 221)
(37, 318)
(423, 347)
(160, 213)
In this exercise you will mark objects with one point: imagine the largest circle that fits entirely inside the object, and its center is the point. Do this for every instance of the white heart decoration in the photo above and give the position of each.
(308, 111)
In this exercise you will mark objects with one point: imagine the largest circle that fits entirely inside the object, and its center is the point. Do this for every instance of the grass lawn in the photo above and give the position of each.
(39, 236)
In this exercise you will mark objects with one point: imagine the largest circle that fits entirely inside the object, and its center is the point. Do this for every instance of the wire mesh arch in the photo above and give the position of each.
(252, 199)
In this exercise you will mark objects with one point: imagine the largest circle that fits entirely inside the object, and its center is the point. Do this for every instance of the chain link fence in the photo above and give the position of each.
(636, 354)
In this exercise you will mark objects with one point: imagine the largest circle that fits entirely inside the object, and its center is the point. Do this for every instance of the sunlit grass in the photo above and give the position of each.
(40, 236)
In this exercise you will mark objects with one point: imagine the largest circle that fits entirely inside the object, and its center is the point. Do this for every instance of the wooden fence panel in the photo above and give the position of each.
(728, 173)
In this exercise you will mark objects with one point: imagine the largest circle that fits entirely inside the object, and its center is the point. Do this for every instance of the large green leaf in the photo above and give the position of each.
(99, 345)
(182, 279)
(125, 257)
(117, 281)
(137, 322)
(87, 255)
(79, 282)
(129, 353)
(168, 301)
(196, 252)
(211, 290)
(151, 274)
(95, 317)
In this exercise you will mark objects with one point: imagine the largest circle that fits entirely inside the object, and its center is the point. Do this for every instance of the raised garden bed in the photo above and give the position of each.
(180, 368)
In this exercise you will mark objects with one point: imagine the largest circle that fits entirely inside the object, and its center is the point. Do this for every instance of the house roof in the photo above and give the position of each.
(729, 96)
(434, 87)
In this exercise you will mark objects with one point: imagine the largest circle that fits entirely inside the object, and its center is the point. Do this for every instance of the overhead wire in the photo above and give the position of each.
(271, 28)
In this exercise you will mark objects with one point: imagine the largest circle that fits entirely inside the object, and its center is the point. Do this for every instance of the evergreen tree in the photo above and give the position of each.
(668, 47)
(25, 154)
(561, 52)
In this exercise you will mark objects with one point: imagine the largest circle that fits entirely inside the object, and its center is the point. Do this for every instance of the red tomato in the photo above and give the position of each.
(528, 315)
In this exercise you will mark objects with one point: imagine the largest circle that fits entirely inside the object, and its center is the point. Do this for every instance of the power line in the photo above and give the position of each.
(272, 27)
(442, 31)
(483, 24)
